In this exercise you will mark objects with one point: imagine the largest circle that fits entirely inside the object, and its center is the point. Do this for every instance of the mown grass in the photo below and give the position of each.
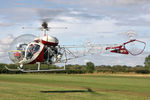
(73, 87)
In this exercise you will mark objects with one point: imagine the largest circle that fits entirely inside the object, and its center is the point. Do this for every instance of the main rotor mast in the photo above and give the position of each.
(45, 27)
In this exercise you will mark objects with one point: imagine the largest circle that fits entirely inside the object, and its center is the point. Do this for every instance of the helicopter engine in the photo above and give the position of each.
(51, 49)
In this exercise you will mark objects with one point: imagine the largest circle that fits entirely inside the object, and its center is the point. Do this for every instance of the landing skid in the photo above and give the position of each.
(48, 70)
(11, 69)
(20, 68)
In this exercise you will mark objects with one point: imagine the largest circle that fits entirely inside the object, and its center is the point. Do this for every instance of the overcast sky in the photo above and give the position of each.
(98, 21)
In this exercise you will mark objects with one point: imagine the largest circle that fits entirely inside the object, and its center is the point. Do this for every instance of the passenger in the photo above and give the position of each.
(36, 48)
(29, 51)
(32, 49)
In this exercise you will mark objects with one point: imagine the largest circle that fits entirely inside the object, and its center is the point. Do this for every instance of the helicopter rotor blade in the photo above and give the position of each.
(44, 28)
(57, 27)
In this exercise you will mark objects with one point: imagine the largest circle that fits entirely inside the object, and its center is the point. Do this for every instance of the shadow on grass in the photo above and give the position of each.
(68, 91)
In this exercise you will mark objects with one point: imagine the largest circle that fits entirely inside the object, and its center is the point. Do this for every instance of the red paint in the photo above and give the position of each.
(118, 49)
(121, 51)
(40, 57)
(49, 43)
(17, 54)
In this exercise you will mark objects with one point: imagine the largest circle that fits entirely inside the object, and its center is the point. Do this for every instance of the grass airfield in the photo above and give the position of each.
(74, 87)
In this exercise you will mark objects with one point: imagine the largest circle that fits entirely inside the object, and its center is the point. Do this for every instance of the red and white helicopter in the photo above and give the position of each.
(122, 49)
(29, 49)
(133, 46)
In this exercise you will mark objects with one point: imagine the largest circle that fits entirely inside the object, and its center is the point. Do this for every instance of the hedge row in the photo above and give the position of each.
(81, 69)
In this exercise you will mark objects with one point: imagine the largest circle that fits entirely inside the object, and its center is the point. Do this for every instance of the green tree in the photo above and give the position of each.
(147, 62)
(90, 67)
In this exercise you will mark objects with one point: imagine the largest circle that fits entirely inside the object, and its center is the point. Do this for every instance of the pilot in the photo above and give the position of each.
(36, 48)
(29, 51)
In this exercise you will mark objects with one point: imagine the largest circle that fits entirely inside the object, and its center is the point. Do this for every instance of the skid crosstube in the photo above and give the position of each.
(38, 69)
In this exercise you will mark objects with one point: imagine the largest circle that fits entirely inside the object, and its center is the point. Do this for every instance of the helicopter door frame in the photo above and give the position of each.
(34, 56)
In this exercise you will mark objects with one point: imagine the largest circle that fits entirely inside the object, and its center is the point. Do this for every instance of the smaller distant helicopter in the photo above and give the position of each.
(123, 50)
(129, 47)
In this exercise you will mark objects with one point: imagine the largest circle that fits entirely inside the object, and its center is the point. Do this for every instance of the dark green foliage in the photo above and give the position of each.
(143, 71)
(81, 69)
(104, 68)
(147, 62)
(4, 70)
(90, 67)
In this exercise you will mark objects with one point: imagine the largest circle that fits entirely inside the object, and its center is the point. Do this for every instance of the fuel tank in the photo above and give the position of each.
(50, 40)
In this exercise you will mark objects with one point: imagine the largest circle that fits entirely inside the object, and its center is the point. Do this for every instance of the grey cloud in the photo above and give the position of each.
(128, 2)
(133, 23)
(4, 47)
(98, 3)
(85, 10)
(18, 14)
(127, 15)
(86, 15)
(5, 24)
(49, 14)
(25, 14)
(5, 42)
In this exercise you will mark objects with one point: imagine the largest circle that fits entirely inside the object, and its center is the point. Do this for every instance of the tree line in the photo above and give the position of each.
(88, 68)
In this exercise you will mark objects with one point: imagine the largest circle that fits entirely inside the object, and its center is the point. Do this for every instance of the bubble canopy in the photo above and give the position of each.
(18, 46)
